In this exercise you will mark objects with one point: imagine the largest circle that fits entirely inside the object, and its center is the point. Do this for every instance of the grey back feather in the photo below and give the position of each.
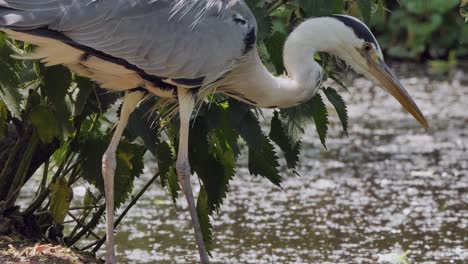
(166, 38)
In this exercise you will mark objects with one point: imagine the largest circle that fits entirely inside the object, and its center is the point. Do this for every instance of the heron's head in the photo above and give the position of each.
(352, 41)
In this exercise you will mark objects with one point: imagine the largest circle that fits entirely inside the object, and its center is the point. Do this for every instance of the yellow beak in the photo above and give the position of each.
(392, 85)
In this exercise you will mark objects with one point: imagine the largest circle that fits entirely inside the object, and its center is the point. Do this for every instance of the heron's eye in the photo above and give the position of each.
(367, 47)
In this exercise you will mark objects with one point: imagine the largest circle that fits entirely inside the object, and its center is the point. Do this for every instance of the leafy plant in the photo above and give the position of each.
(423, 29)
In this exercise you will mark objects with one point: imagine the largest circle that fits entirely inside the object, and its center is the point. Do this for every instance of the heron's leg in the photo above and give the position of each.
(109, 164)
(186, 106)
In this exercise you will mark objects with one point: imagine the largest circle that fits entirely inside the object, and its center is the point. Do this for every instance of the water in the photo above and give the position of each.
(390, 187)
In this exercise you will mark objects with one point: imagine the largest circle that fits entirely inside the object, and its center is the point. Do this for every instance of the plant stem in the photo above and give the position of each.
(5, 172)
(89, 226)
(127, 209)
(22, 171)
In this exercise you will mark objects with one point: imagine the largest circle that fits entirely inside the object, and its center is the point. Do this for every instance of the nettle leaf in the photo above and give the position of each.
(173, 184)
(320, 115)
(204, 219)
(262, 17)
(314, 8)
(274, 45)
(166, 164)
(340, 106)
(88, 200)
(297, 119)
(45, 122)
(10, 78)
(129, 159)
(262, 157)
(56, 82)
(86, 88)
(279, 135)
(142, 125)
(212, 158)
(365, 6)
(100, 101)
(60, 197)
(166, 160)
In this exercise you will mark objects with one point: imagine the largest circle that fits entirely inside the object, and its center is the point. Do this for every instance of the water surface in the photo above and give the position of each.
(391, 186)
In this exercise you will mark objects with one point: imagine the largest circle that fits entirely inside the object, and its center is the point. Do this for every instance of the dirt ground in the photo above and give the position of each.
(29, 252)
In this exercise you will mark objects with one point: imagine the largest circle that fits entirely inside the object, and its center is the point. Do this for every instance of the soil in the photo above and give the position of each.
(18, 250)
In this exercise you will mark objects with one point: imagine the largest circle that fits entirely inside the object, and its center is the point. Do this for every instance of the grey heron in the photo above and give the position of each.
(185, 50)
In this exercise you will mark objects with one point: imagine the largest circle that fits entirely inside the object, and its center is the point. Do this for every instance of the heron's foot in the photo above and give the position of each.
(183, 174)
(108, 170)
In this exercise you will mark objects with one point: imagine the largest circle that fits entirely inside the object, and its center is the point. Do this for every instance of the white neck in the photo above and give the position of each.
(253, 81)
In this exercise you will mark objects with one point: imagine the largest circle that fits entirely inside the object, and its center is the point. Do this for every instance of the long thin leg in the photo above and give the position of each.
(109, 164)
(186, 105)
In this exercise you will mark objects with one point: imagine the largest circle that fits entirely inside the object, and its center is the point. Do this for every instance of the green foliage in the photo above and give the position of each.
(365, 7)
(262, 157)
(60, 198)
(279, 135)
(10, 74)
(45, 123)
(429, 28)
(129, 165)
(320, 114)
(204, 218)
(340, 106)
(320, 7)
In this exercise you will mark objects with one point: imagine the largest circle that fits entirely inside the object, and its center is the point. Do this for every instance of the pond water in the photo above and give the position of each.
(390, 187)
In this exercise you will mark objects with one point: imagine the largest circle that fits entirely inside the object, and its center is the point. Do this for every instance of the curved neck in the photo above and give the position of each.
(254, 84)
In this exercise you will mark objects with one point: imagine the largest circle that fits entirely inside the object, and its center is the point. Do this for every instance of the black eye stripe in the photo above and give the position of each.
(359, 28)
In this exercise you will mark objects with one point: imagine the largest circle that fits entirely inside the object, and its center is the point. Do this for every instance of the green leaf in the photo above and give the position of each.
(297, 119)
(60, 198)
(56, 82)
(86, 88)
(262, 157)
(279, 135)
(129, 159)
(340, 106)
(10, 78)
(88, 200)
(45, 122)
(274, 45)
(166, 160)
(365, 6)
(204, 219)
(314, 8)
(166, 164)
(100, 101)
(142, 125)
(262, 17)
(173, 184)
(212, 154)
(320, 115)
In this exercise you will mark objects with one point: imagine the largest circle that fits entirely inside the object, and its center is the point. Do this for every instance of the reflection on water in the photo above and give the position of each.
(388, 188)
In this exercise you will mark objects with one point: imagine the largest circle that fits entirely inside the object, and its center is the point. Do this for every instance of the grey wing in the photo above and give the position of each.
(170, 39)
